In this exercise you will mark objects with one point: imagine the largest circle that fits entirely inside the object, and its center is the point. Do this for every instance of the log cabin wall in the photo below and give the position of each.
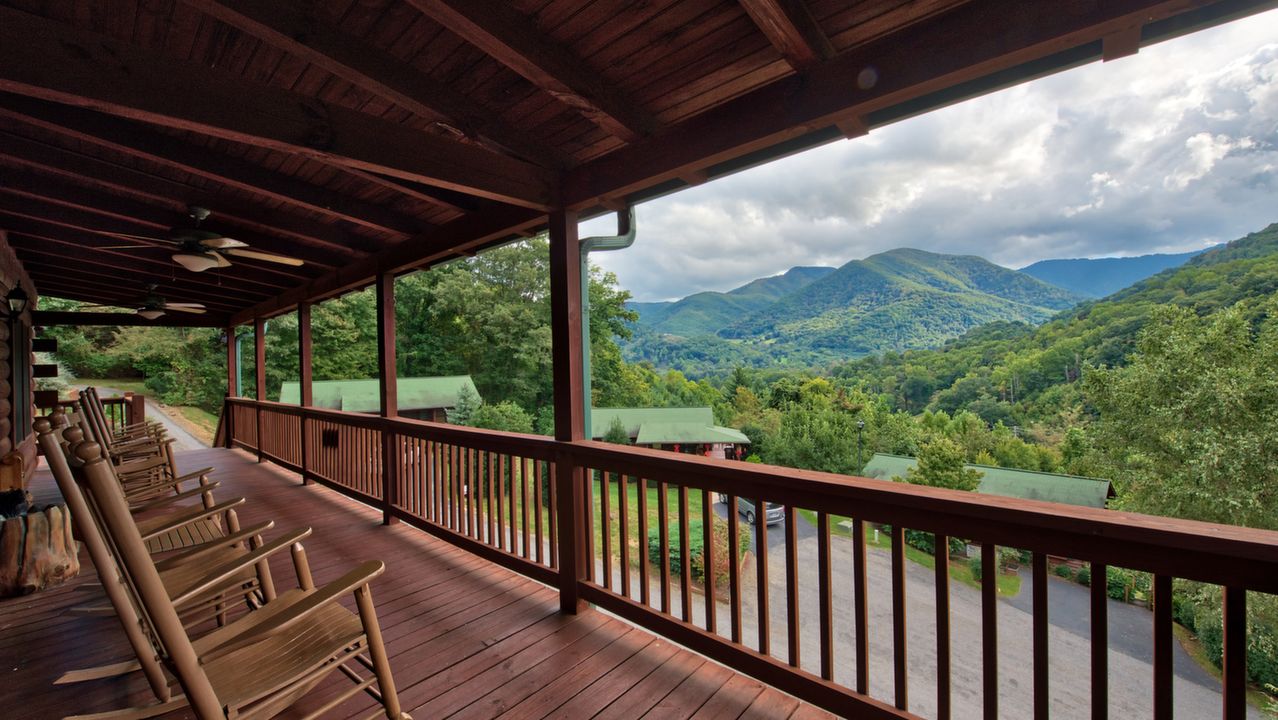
(17, 439)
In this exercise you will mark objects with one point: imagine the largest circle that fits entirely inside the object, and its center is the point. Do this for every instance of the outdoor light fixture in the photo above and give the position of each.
(150, 313)
(196, 262)
(17, 300)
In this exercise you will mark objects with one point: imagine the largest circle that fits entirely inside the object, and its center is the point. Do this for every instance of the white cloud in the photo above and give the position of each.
(1168, 150)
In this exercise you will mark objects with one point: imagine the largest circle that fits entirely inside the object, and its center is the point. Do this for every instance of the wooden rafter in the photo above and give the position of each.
(968, 44)
(60, 63)
(294, 27)
(47, 317)
(790, 27)
(514, 41)
(144, 142)
(47, 276)
(162, 217)
(94, 172)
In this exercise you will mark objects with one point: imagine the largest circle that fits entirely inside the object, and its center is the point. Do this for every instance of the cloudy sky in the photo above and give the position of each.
(1169, 150)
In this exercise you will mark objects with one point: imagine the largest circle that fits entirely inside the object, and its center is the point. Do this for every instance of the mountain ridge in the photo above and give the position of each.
(1100, 277)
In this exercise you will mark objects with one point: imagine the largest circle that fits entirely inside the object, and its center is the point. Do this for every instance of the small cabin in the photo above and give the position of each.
(687, 430)
(421, 398)
(1009, 482)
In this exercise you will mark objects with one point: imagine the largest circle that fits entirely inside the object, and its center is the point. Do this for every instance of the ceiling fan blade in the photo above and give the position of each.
(197, 311)
(222, 243)
(121, 247)
(222, 262)
(281, 259)
(183, 305)
(113, 307)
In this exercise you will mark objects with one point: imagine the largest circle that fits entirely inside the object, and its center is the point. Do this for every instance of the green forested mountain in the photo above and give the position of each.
(1099, 277)
(1017, 373)
(709, 312)
(897, 300)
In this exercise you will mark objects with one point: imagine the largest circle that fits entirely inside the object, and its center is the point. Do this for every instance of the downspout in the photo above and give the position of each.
(624, 238)
(239, 348)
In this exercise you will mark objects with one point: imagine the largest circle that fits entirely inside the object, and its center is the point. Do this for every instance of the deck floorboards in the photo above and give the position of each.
(467, 638)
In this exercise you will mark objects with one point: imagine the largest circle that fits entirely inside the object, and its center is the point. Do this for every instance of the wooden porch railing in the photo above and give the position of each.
(492, 493)
(119, 411)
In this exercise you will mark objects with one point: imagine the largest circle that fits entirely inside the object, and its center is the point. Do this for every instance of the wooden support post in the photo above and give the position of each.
(259, 376)
(136, 410)
(388, 390)
(566, 362)
(304, 380)
(232, 362)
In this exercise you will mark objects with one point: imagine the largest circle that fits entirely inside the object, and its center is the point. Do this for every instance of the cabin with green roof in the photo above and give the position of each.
(689, 430)
(1009, 482)
(423, 398)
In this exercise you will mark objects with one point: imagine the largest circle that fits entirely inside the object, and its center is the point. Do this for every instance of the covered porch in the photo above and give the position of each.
(541, 575)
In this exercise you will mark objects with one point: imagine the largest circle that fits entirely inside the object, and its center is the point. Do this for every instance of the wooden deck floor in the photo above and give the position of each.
(468, 639)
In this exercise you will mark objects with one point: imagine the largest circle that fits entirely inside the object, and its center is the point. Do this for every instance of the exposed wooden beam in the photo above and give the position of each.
(514, 40)
(141, 141)
(447, 199)
(1121, 43)
(63, 276)
(38, 187)
(58, 317)
(790, 27)
(87, 170)
(466, 234)
(974, 48)
(60, 63)
(294, 27)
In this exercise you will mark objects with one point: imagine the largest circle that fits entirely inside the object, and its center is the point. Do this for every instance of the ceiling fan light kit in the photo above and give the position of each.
(196, 262)
(150, 314)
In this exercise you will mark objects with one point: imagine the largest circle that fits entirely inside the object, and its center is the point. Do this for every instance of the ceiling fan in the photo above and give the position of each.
(152, 305)
(198, 249)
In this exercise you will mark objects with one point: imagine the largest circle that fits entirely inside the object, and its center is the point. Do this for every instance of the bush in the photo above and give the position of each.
(1064, 571)
(1123, 584)
(1084, 576)
(926, 541)
(696, 550)
(975, 565)
(1008, 558)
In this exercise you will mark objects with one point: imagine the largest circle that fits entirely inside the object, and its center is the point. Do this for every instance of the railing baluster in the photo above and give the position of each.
(860, 607)
(761, 566)
(623, 530)
(472, 491)
(494, 485)
(553, 512)
(989, 629)
(825, 596)
(1100, 641)
(524, 467)
(590, 524)
(708, 559)
(537, 510)
(505, 493)
(645, 590)
(901, 679)
(942, 581)
(605, 528)
(791, 586)
(1163, 639)
(1042, 700)
(1234, 668)
(663, 534)
(455, 485)
(685, 562)
(734, 568)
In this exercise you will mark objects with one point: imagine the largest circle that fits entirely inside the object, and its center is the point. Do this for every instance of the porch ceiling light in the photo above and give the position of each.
(196, 262)
(17, 300)
(150, 314)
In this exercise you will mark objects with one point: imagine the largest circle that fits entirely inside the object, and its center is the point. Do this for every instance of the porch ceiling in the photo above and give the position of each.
(383, 135)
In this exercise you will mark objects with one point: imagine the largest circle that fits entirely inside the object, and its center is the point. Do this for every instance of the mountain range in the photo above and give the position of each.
(1098, 277)
(898, 300)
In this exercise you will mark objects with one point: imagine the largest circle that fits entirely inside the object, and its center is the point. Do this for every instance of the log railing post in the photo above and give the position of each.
(305, 378)
(136, 414)
(388, 391)
(259, 376)
(566, 356)
(228, 423)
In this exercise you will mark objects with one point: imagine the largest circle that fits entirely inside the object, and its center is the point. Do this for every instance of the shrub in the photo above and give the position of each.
(1008, 558)
(975, 566)
(696, 550)
(1084, 576)
(926, 541)
(1064, 571)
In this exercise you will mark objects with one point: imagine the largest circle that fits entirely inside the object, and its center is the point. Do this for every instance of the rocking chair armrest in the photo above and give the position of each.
(202, 473)
(316, 599)
(170, 499)
(228, 570)
(133, 467)
(176, 521)
(200, 551)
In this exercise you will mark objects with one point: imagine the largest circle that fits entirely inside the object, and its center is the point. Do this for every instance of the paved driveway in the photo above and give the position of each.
(182, 440)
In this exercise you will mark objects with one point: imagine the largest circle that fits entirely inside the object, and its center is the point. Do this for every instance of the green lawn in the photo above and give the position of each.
(960, 569)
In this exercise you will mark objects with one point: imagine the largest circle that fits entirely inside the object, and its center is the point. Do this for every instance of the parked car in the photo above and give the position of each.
(775, 512)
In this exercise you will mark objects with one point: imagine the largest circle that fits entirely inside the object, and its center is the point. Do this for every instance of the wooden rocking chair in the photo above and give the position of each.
(257, 667)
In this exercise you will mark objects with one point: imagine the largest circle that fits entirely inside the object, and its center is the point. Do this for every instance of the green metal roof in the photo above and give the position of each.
(1009, 482)
(419, 393)
(632, 418)
(688, 433)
